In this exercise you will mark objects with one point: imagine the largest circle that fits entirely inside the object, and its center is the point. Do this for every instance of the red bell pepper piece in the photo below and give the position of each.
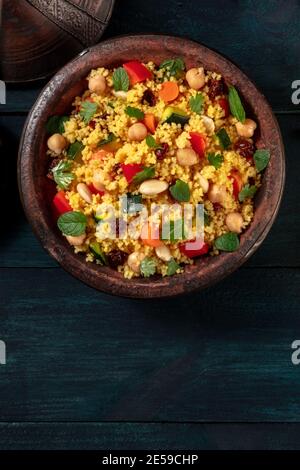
(61, 204)
(200, 248)
(198, 143)
(95, 190)
(223, 102)
(131, 170)
(137, 72)
(237, 183)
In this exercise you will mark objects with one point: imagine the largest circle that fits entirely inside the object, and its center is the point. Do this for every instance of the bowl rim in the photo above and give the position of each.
(105, 279)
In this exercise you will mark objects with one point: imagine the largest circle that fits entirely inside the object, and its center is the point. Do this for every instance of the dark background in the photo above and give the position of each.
(210, 370)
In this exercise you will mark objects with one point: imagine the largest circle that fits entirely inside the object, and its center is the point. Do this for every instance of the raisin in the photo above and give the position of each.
(149, 98)
(116, 258)
(245, 148)
(161, 151)
(92, 124)
(52, 164)
(216, 88)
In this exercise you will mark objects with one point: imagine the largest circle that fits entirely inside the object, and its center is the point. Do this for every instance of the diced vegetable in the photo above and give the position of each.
(131, 170)
(169, 91)
(223, 102)
(60, 202)
(136, 71)
(99, 154)
(149, 121)
(176, 115)
(200, 248)
(98, 253)
(150, 235)
(198, 143)
(95, 190)
(237, 182)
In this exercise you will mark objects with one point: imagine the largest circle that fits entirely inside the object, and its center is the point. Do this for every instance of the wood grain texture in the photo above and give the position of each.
(150, 436)
(258, 36)
(220, 355)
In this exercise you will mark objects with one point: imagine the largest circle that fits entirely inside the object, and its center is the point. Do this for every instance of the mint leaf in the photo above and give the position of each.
(87, 110)
(261, 159)
(72, 223)
(227, 242)
(236, 107)
(111, 138)
(180, 191)
(247, 192)
(148, 267)
(172, 267)
(196, 103)
(151, 142)
(224, 138)
(75, 149)
(173, 67)
(134, 112)
(120, 79)
(56, 124)
(62, 175)
(215, 159)
(173, 230)
(143, 175)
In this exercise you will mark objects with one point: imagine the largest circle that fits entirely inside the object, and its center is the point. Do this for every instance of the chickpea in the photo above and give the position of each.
(134, 261)
(217, 194)
(100, 178)
(195, 78)
(57, 143)
(98, 84)
(137, 131)
(203, 183)
(187, 157)
(234, 222)
(76, 241)
(246, 129)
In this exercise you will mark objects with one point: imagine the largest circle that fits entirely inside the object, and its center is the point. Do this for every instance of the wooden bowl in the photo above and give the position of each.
(56, 98)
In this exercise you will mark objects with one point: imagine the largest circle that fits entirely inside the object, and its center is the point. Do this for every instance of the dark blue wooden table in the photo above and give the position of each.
(207, 371)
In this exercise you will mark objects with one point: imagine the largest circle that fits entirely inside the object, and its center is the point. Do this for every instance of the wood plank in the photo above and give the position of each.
(21, 248)
(220, 355)
(255, 37)
(150, 436)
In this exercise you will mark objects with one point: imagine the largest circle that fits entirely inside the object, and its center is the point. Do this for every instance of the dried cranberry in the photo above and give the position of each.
(149, 98)
(245, 148)
(217, 206)
(116, 258)
(216, 88)
(53, 163)
(92, 124)
(161, 151)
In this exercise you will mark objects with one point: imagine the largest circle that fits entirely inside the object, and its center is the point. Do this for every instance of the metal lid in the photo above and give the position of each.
(38, 36)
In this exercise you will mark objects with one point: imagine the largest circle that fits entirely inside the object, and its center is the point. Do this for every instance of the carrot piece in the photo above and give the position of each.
(150, 235)
(169, 91)
(99, 154)
(149, 121)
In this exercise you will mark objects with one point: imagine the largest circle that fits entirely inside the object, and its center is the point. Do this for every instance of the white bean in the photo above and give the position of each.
(84, 192)
(153, 187)
(163, 253)
(134, 261)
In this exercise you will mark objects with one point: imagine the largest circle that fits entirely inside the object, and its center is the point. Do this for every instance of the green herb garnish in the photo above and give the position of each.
(151, 142)
(261, 159)
(133, 203)
(173, 67)
(87, 110)
(236, 107)
(75, 149)
(227, 242)
(173, 230)
(111, 138)
(215, 159)
(56, 124)
(72, 223)
(172, 267)
(134, 112)
(98, 253)
(180, 191)
(120, 79)
(148, 267)
(247, 192)
(62, 175)
(143, 175)
(196, 103)
(206, 217)
(224, 138)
